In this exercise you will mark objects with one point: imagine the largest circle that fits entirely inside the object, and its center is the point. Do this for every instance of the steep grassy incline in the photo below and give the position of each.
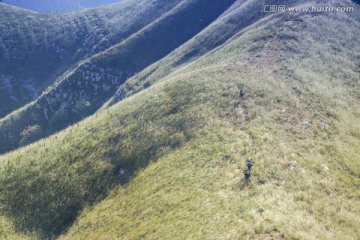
(81, 91)
(36, 49)
(167, 162)
(239, 16)
(57, 177)
(298, 121)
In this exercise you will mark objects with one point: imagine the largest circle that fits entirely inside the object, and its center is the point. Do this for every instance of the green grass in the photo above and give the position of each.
(8, 232)
(198, 190)
(306, 176)
(96, 75)
(50, 181)
(185, 140)
(40, 48)
(238, 17)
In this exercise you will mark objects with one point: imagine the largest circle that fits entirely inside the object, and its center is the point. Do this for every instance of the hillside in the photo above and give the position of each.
(164, 158)
(37, 49)
(299, 122)
(83, 89)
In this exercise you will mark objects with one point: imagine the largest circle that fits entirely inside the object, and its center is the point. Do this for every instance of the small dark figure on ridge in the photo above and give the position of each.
(247, 175)
(241, 94)
(249, 164)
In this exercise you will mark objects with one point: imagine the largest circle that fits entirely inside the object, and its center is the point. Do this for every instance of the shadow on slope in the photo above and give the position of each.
(36, 49)
(44, 186)
(240, 16)
(84, 90)
(295, 121)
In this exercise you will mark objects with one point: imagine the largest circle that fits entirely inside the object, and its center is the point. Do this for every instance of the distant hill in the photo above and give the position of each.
(74, 66)
(58, 5)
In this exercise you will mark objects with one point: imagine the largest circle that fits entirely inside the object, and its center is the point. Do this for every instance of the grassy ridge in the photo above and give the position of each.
(37, 49)
(183, 143)
(57, 177)
(84, 89)
(197, 191)
(303, 140)
(239, 16)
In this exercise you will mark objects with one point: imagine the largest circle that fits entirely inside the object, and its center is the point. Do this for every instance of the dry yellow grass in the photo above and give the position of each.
(186, 140)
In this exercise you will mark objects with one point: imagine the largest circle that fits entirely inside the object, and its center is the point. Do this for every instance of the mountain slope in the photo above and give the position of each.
(172, 156)
(235, 19)
(305, 146)
(298, 121)
(83, 89)
(169, 160)
(36, 49)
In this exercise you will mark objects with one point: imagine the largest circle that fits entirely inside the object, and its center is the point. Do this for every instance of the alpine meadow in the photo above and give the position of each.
(139, 119)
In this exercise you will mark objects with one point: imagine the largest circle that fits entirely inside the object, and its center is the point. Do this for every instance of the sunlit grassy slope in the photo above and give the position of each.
(168, 162)
(299, 124)
(8, 232)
